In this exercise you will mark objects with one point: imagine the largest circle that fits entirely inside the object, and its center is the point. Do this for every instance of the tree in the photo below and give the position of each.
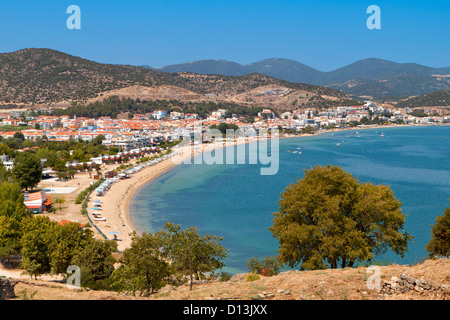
(144, 267)
(49, 247)
(60, 166)
(98, 140)
(268, 266)
(440, 241)
(78, 154)
(27, 170)
(6, 150)
(35, 245)
(329, 218)
(223, 127)
(19, 135)
(190, 253)
(65, 242)
(4, 173)
(60, 201)
(96, 263)
(10, 234)
(12, 201)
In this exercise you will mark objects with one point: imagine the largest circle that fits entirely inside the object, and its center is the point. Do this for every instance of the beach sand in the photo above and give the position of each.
(116, 200)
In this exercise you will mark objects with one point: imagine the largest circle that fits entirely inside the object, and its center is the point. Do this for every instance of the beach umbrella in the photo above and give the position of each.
(114, 232)
(94, 208)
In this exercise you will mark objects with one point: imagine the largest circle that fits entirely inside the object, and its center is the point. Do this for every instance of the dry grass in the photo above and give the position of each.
(337, 284)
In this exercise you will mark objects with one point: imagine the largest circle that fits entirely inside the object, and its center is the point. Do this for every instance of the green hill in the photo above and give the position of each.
(434, 99)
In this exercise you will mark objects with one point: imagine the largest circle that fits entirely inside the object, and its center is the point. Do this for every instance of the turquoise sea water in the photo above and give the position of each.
(236, 202)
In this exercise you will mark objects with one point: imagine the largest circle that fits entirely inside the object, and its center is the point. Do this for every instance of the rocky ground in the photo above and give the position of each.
(429, 280)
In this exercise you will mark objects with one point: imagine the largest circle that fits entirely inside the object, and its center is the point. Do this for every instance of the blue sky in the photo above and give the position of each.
(322, 34)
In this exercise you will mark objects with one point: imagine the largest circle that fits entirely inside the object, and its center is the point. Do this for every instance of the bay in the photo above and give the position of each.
(236, 202)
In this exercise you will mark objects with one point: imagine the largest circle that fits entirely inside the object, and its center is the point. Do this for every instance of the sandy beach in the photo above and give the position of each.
(115, 202)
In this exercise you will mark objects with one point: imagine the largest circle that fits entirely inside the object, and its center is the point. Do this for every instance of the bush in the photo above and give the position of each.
(252, 277)
(83, 194)
(269, 266)
(81, 197)
(224, 276)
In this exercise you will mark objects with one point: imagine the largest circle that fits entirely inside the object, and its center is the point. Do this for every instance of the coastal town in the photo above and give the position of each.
(149, 129)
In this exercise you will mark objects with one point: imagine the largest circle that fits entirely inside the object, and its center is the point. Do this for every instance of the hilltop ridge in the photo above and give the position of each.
(49, 77)
(371, 77)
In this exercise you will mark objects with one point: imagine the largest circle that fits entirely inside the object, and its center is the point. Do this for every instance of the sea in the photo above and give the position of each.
(236, 202)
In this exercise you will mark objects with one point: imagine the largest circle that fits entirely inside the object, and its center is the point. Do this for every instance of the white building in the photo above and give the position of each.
(159, 114)
(7, 162)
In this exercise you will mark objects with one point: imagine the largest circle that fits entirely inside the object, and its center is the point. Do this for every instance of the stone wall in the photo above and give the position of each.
(7, 288)
(405, 284)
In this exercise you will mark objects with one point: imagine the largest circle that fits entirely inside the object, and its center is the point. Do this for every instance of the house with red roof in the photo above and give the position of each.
(38, 202)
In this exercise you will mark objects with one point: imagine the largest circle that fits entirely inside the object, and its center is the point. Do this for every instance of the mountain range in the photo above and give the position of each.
(46, 77)
(368, 78)
(49, 77)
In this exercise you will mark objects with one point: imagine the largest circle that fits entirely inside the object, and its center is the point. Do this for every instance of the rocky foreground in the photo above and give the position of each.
(429, 280)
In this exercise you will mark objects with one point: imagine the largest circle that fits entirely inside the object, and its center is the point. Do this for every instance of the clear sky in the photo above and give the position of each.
(322, 34)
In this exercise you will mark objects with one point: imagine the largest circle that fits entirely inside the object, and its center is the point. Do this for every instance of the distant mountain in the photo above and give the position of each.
(208, 67)
(288, 70)
(370, 77)
(284, 69)
(49, 77)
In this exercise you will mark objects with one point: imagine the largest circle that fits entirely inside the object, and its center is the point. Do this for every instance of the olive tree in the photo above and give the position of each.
(328, 218)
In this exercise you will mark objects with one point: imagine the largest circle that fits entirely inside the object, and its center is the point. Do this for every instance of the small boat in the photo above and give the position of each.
(338, 144)
(382, 134)
(294, 151)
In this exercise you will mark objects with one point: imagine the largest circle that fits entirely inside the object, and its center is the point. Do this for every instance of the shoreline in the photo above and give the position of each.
(117, 200)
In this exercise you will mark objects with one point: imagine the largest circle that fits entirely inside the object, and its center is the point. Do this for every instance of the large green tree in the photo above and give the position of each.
(440, 241)
(143, 266)
(48, 247)
(35, 244)
(190, 253)
(65, 242)
(330, 219)
(27, 170)
(10, 235)
(12, 201)
(96, 263)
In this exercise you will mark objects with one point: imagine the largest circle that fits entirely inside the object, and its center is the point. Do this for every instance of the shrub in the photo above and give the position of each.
(269, 266)
(224, 276)
(252, 277)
